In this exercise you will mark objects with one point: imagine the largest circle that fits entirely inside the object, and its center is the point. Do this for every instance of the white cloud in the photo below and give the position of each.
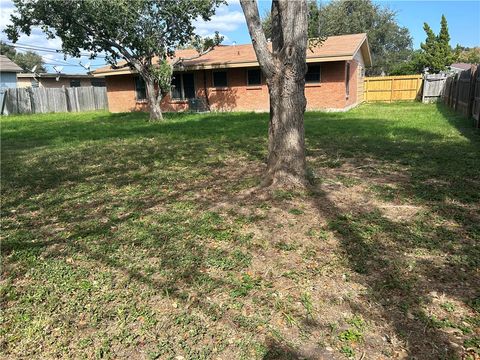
(225, 20)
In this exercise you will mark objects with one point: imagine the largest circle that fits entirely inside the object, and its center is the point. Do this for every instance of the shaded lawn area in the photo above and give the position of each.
(124, 239)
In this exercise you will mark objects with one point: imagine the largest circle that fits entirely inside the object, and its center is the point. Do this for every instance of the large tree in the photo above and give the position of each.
(27, 60)
(437, 53)
(284, 67)
(144, 33)
(313, 12)
(389, 42)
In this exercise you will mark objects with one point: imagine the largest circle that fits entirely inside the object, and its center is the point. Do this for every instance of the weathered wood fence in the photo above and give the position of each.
(45, 100)
(433, 87)
(392, 88)
(462, 93)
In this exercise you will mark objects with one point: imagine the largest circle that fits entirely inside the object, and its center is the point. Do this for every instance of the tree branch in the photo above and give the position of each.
(200, 54)
(260, 44)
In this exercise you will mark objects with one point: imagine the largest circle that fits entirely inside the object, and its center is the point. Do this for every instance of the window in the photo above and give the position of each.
(220, 79)
(35, 83)
(254, 77)
(97, 82)
(347, 80)
(75, 83)
(313, 74)
(183, 86)
(140, 89)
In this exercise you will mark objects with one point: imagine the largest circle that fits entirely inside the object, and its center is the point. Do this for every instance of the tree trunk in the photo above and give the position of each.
(153, 102)
(286, 166)
(284, 67)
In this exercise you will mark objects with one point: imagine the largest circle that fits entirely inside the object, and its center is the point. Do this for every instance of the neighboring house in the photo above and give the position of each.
(8, 75)
(459, 67)
(58, 80)
(229, 78)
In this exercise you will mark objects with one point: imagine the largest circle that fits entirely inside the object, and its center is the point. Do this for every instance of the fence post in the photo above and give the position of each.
(471, 94)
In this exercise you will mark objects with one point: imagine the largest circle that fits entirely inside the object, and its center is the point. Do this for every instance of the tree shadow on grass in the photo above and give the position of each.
(180, 155)
(382, 253)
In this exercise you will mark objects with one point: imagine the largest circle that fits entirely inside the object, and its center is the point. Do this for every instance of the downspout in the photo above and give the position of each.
(205, 88)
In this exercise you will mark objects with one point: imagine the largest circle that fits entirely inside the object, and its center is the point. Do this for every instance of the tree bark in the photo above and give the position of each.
(153, 102)
(286, 165)
(284, 67)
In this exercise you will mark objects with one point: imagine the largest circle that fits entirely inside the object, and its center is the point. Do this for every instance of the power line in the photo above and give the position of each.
(45, 49)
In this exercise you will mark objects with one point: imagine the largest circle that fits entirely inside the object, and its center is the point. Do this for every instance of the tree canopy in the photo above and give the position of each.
(27, 60)
(469, 55)
(389, 42)
(144, 33)
(437, 54)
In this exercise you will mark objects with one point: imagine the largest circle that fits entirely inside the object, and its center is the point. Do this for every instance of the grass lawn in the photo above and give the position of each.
(123, 239)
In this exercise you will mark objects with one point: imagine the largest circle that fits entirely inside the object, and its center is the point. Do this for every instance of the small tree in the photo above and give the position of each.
(284, 67)
(436, 52)
(144, 33)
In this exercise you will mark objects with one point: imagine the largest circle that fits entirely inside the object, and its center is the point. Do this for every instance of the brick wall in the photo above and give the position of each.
(330, 93)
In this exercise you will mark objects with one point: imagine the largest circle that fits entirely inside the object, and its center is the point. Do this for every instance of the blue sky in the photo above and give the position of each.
(463, 19)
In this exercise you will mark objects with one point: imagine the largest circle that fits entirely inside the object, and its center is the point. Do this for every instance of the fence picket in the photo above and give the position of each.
(392, 88)
(45, 100)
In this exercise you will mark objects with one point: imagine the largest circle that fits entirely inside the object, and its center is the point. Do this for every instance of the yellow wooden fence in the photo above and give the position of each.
(392, 88)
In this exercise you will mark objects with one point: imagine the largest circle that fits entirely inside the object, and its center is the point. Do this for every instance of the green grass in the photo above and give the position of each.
(123, 238)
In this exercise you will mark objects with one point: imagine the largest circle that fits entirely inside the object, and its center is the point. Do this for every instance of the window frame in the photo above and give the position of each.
(226, 79)
(135, 82)
(319, 74)
(261, 78)
(182, 87)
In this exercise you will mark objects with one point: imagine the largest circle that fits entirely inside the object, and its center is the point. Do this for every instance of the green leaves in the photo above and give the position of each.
(436, 52)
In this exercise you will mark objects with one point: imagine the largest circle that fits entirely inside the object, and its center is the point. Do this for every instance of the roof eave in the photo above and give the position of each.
(231, 65)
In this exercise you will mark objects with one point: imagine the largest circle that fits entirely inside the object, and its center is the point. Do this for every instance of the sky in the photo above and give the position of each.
(463, 20)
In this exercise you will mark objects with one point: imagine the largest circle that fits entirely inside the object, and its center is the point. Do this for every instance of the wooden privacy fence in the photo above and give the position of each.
(462, 93)
(45, 100)
(392, 88)
(433, 87)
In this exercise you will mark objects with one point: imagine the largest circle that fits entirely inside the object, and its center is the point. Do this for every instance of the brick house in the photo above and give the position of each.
(229, 79)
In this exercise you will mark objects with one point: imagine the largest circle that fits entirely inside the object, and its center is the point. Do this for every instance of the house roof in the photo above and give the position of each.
(7, 65)
(334, 48)
(461, 66)
(54, 75)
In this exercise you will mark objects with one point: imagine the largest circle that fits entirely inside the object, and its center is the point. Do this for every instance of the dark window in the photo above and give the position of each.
(188, 86)
(183, 86)
(347, 80)
(313, 74)
(220, 79)
(75, 83)
(97, 82)
(254, 77)
(140, 89)
(177, 86)
(35, 83)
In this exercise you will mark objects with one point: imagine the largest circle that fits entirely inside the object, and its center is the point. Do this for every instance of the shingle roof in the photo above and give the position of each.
(7, 65)
(462, 66)
(334, 48)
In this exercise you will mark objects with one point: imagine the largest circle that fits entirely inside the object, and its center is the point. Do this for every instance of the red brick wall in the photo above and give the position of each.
(330, 93)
